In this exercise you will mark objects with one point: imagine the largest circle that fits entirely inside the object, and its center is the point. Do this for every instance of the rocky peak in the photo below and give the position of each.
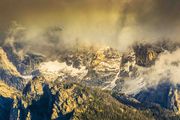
(128, 64)
(34, 88)
(145, 55)
(104, 67)
(7, 96)
(24, 61)
(9, 73)
(70, 99)
(6, 64)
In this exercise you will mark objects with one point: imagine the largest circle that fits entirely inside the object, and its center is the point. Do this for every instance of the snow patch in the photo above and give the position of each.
(56, 69)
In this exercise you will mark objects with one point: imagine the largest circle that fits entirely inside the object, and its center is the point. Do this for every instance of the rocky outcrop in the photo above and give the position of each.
(7, 96)
(128, 65)
(6, 64)
(71, 100)
(24, 62)
(145, 55)
(104, 67)
(174, 99)
(8, 72)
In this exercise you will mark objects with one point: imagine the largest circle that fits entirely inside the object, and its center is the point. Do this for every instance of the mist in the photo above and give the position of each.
(114, 23)
(165, 70)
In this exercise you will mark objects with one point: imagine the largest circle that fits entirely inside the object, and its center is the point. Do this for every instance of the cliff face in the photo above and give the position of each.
(145, 55)
(6, 64)
(7, 95)
(8, 72)
(177, 101)
(24, 62)
(104, 67)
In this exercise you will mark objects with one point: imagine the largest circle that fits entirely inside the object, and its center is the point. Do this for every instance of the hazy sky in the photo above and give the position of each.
(108, 22)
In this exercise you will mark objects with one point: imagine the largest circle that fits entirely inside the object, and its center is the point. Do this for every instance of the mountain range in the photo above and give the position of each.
(86, 83)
